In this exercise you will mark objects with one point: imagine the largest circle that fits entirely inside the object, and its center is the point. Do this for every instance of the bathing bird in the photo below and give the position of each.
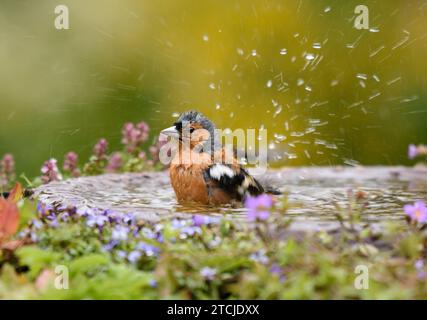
(202, 171)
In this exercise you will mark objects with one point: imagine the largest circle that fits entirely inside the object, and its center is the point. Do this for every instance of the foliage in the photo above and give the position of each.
(201, 258)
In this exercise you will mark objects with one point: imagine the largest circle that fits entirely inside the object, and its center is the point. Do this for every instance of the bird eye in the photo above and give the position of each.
(191, 130)
(178, 126)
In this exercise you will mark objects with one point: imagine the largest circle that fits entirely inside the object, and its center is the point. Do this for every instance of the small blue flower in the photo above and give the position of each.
(96, 220)
(65, 216)
(277, 270)
(36, 224)
(208, 273)
(178, 224)
(153, 283)
(259, 257)
(200, 220)
(128, 219)
(190, 231)
(120, 233)
(84, 211)
(134, 256)
(110, 245)
(149, 250)
(121, 254)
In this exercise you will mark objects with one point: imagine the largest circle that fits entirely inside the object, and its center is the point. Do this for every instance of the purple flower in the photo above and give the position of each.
(200, 220)
(96, 220)
(110, 245)
(100, 149)
(208, 273)
(259, 257)
(120, 233)
(71, 164)
(190, 231)
(121, 254)
(417, 212)
(7, 170)
(276, 269)
(50, 171)
(419, 264)
(258, 207)
(36, 224)
(8, 164)
(149, 250)
(115, 162)
(412, 151)
(153, 283)
(128, 219)
(134, 256)
(133, 136)
(44, 209)
(156, 148)
(85, 211)
(178, 224)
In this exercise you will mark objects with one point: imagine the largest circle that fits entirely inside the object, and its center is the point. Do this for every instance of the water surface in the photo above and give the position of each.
(312, 193)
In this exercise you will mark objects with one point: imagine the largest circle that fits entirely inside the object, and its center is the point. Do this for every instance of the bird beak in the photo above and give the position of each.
(170, 132)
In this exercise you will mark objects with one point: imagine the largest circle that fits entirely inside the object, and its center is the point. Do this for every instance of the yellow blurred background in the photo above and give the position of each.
(327, 92)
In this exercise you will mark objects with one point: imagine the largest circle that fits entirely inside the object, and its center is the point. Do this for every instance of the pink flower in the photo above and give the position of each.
(100, 149)
(417, 212)
(134, 135)
(259, 207)
(8, 164)
(415, 151)
(50, 171)
(412, 151)
(115, 162)
(71, 164)
(156, 148)
(7, 170)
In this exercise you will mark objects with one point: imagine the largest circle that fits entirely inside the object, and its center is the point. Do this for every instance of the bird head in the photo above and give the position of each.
(192, 128)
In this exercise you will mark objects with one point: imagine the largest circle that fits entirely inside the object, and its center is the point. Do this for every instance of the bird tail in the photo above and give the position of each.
(272, 191)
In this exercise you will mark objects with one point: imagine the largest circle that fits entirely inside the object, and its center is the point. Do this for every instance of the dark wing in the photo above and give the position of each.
(233, 180)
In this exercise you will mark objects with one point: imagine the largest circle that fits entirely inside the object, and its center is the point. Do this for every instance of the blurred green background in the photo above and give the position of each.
(327, 92)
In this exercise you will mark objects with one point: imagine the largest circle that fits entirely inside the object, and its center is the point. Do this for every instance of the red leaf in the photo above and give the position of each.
(16, 193)
(9, 218)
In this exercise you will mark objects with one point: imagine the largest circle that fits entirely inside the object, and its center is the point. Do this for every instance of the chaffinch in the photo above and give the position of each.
(202, 171)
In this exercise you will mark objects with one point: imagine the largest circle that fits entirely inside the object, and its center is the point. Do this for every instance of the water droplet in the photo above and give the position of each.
(309, 56)
(374, 30)
(217, 106)
(205, 38)
(283, 51)
(317, 45)
(362, 76)
(334, 83)
(240, 52)
(175, 115)
(279, 137)
(269, 84)
(327, 9)
(308, 88)
(212, 86)
(300, 82)
(254, 53)
(278, 110)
